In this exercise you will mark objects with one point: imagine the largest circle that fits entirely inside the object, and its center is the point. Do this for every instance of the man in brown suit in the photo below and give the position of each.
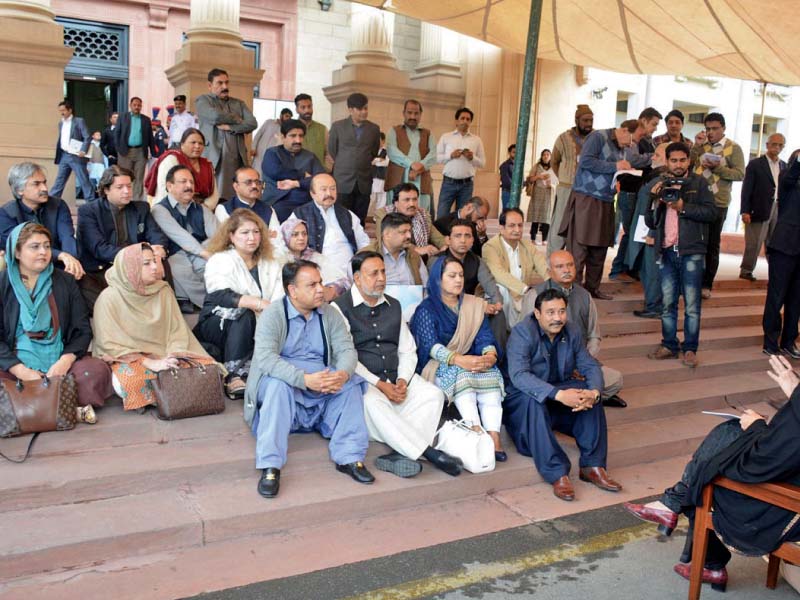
(395, 244)
(412, 153)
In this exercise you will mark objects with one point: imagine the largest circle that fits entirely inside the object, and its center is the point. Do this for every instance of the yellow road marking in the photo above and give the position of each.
(439, 584)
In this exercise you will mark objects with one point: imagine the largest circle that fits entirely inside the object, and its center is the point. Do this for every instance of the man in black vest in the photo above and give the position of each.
(401, 409)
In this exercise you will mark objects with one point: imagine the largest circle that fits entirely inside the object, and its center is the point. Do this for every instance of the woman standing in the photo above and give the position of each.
(541, 185)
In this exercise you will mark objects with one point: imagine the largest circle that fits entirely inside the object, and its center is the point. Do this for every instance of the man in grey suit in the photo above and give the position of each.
(224, 122)
(353, 143)
(70, 157)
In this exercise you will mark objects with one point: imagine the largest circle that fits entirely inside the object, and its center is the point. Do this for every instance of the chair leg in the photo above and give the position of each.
(702, 524)
(772, 571)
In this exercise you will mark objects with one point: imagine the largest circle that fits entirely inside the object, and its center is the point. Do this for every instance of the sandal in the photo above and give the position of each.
(235, 388)
(86, 414)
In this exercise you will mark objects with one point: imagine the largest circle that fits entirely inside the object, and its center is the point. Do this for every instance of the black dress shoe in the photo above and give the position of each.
(646, 314)
(748, 277)
(793, 352)
(186, 306)
(399, 465)
(614, 401)
(357, 471)
(601, 295)
(270, 482)
(769, 352)
(443, 461)
(500, 456)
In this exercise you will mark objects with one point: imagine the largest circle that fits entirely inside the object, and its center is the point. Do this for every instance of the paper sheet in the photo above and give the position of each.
(641, 230)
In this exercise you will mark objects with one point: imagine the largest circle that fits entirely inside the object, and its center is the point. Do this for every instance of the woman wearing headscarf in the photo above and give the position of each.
(44, 321)
(456, 349)
(541, 187)
(138, 327)
(242, 279)
(748, 450)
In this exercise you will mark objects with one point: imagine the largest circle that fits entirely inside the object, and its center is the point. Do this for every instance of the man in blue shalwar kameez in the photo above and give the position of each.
(302, 380)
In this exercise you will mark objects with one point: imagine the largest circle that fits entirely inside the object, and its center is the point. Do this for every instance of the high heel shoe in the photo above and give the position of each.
(717, 578)
(665, 519)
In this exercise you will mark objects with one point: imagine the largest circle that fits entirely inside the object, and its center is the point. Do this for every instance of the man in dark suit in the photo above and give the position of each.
(133, 139)
(72, 145)
(107, 226)
(783, 251)
(353, 143)
(759, 209)
(107, 144)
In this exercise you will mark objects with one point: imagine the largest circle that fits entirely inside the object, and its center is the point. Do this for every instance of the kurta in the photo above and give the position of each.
(406, 160)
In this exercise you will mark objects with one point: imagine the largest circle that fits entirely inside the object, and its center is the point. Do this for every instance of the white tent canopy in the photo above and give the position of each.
(741, 39)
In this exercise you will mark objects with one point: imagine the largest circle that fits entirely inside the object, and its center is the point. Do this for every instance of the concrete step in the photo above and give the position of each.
(615, 288)
(627, 303)
(731, 316)
(713, 338)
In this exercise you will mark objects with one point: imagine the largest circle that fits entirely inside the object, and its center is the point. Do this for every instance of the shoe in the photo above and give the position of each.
(500, 456)
(622, 278)
(690, 359)
(235, 388)
(598, 476)
(666, 520)
(615, 402)
(662, 353)
(452, 465)
(86, 414)
(705, 294)
(186, 306)
(769, 352)
(646, 314)
(793, 352)
(601, 295)
(270, 482)
(399, 465)
(717, 579)
(748, 276)
(357, 471)
(563, 489)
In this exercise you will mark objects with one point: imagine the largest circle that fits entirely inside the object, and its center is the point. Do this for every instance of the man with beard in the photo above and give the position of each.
(427, 239)
(316, 139)
(403, 266)
(564, 162)
(554, 385)
(288, 169)
(680, 214)
(268, 136)
(412, 153)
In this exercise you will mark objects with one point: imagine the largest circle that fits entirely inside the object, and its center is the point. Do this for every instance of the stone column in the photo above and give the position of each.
(32, 61)
(372, 31)
(439, 65)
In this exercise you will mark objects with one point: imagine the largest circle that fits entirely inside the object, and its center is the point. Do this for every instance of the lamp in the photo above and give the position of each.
(598, 93)
(325, 5)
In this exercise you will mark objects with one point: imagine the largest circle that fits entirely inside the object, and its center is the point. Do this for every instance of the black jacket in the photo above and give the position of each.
(758, 189)
(786, 236)
(123, 130)
(698, 212)
(73, 316)
(108, 144)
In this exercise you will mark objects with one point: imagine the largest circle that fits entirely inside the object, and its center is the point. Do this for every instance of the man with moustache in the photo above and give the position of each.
(316, 139)
(224, 122)
(268, 136)
(133, 138)
(554, 385)
(427, 239)
(412, 153)
(402, 265)
(288, 169)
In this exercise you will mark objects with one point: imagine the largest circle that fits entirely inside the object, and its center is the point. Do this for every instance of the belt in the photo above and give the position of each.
(453, 179)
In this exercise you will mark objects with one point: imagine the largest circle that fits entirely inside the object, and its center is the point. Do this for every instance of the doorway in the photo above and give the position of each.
(93, 100)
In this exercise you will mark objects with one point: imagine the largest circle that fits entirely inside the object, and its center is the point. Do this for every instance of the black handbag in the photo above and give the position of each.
(192, 391)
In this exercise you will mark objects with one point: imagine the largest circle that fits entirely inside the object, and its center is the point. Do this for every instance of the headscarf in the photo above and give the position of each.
(133, 318)
(35, 315)
(287, 228)
(444, 314)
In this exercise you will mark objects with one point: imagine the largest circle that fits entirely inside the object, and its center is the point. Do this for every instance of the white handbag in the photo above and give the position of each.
(474, 448)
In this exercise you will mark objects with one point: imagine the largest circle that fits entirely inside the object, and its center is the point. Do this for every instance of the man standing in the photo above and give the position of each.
(564, 162)
(555, 385)
(107, 143)
(426, 238)
(401, 409)
(412, 152)
(476, 210)
(506, 173)
(395, 245)
(316, 139)
(353, 143)
(462, 153)
(759, 202)
(680, 215)
(588, 222)
(302, 380)
(268, 136)
(674, 123)
(180, 121)
(71, 148)
(133, 139)
(721, 162)
(224, 122)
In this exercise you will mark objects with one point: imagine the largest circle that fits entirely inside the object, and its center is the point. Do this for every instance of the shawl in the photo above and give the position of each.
(131, 318)
(420, 229)
(330, 275)
(203, 180)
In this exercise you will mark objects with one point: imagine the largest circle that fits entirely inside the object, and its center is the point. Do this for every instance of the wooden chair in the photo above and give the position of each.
(783, 495)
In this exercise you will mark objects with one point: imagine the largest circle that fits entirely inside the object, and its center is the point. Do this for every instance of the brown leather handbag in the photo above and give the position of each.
(192, 391)
(47, 404)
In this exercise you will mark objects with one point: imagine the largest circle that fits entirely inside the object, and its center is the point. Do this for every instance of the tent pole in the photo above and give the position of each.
(526, 97)
(761, 126)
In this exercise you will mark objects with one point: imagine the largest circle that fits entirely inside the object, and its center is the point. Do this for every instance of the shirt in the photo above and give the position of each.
(304, 336)
(406, 160)
(335, 244)
(398, 272)
(775, 167)
(460, 168)
(515, 266)
(179, 123)
(66, 131)
(670, 228)
(135, 136)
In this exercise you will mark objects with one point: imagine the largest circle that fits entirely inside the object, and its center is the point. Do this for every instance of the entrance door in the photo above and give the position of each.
(94, 101)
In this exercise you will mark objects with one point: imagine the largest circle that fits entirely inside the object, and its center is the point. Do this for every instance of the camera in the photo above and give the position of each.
(670, 190)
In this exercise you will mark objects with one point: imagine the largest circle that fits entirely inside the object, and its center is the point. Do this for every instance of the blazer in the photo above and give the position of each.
(97, 236)
(210, 114)
(352, 158)
(78, 131)
(786, 236)
(53, 214)
(123, 130)
(73, 317)
(108, 144)
(531, 260)
(758, 189)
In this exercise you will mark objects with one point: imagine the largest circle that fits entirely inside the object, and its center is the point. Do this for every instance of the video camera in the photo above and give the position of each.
(671, 189)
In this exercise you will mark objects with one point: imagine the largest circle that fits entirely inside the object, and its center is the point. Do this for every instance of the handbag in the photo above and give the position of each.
(474, 448)
(192, 391)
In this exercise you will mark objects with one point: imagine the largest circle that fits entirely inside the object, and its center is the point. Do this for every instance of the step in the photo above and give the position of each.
(614, 288)
(715, 338)
(627, 303)
(731, 316)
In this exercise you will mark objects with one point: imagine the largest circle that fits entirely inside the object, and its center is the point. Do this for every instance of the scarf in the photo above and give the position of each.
(41, 351)
(420, 229)
(725, 152)
(203, 179)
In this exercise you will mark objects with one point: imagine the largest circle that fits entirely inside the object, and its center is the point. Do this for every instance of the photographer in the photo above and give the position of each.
(681, 208)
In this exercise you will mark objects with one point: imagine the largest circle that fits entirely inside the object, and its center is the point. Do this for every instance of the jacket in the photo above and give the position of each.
(108, 144)
(532, 262)
(279, 164)
(123, 130)
(786, 236)
(73, 316)
(353, 157)
(53, 214)
(698, 212)
(78, 131)
(316, 224)
(758, 189)
(435, 237)
(210, 113)
(413, 260)
(730, 169)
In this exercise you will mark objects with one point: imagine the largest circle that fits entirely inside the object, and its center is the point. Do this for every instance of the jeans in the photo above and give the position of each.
(626, 203)
(505, 197)
(73, 164)
(458, 190)
(714, 239)
(680, 276)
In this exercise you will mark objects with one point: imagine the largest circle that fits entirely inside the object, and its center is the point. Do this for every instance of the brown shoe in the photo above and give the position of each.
(563, 489)
(690, 359)
(601, 295)
(662, 353)
(599, 477)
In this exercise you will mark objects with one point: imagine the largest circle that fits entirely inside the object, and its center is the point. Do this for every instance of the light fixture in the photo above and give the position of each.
(598, 93)
(325, 5)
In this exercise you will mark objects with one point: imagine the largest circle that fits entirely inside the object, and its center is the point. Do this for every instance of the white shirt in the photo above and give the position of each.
(278, 245)
(775, 167)
(66, 130)
(406, 347)
(460, 168)
(515, 266)
(335, 244)
(179, 123)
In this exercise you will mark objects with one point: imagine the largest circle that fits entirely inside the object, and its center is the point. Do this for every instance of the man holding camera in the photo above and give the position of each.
(682, 206)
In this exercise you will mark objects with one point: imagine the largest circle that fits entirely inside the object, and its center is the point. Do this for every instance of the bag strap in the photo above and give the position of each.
(51, 300)
(27, 452)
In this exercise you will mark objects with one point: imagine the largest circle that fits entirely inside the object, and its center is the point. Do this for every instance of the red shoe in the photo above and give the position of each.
(717, 579)
(665, 519)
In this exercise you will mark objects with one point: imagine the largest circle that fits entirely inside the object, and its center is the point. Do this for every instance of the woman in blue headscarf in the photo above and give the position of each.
(456, 349)
(44, 322)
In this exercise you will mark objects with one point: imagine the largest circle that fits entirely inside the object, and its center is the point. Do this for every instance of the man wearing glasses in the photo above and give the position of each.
(721, 162)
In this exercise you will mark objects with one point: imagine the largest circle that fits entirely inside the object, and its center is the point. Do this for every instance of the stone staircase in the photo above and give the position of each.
(153, 509)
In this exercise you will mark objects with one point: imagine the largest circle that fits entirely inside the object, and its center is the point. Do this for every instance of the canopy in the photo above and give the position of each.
(742, 39)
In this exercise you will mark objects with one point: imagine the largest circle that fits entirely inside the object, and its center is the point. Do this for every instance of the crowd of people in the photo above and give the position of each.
(309, 320)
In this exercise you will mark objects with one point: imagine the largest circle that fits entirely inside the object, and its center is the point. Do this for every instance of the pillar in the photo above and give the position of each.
(439, 65)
